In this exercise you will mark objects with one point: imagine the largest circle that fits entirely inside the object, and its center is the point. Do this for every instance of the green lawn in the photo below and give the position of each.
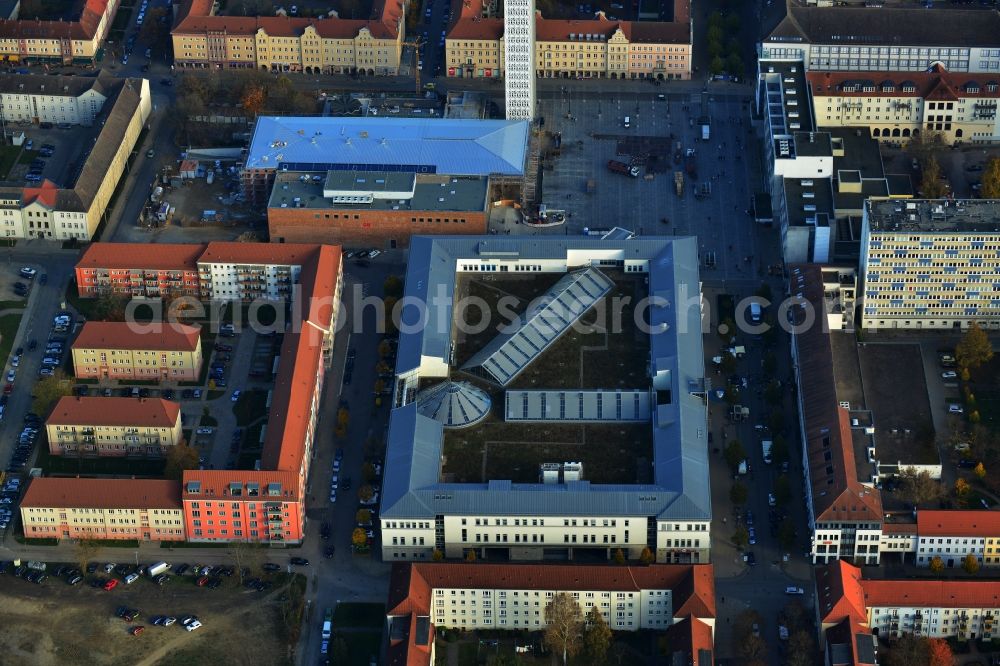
(27, 156)
(251, 406)
(11, 305)
(8, 158)
(359, 615)
(8, 331)
(209, 421)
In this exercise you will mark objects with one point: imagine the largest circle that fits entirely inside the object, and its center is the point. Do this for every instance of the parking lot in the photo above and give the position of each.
(62, 164)
(54, 622)
(592, 132)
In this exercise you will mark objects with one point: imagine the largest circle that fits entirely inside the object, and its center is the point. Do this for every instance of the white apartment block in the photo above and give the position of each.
(895, 106)
(252, 271)
(35, 98)
(930, 264)
(953, 535)
(525, 537)
(887, 39)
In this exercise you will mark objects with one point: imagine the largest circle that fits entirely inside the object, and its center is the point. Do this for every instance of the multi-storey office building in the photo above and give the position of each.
(930, 264)
(57, 41)
(888, 609)
(531, 521)
(35, 98)
(124, 351)
(327, 45)
(596, 48)
(119, 509)
(139, 270)
(886, 39)
(64, 211)
(425, 597)
(113, 426)
(895, 106)
(818, 177)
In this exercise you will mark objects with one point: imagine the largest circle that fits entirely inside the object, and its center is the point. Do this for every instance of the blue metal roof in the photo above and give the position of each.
(454, 147)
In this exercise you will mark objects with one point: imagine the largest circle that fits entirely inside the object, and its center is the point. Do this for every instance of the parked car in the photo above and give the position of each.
(111, 584)
(794, 590)
(299, 561)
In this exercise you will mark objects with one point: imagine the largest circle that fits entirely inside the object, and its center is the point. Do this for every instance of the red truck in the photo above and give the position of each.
(615, 166)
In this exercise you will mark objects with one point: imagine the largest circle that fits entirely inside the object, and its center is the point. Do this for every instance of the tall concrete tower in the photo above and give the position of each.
(519, 53)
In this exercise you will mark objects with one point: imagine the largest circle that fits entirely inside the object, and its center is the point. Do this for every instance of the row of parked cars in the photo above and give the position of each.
(37, 166)
(8, 499)
(24, 449)
(189, 622)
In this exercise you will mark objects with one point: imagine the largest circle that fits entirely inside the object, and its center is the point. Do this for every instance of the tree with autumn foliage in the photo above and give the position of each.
(253, 99)
(970, 563)
(936, 565)
(939, 653)
(991, 180)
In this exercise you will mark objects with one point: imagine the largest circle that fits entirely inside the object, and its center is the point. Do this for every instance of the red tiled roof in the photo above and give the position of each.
(196, 20)
(958, 523)
(84, 29)
(692, 583)
(319, 281)
(148, 256)
(291, 254)
(935, 84)
(215, 484)
(848, 632)
(44, 194)
(406, 651)
(837, 494)
(293, 393)
(122, 335)
(691, 637)
(152, 412)
(932, 593)
(78, 493)
(840, 593)
(559, 30)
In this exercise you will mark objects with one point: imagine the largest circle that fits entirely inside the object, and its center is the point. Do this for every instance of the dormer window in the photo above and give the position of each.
(909, 88)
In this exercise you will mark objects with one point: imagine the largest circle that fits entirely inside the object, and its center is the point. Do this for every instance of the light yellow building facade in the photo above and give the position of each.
(597, 48)
(113, 426)
(895, 106)
(112, 350)
(120, 509)
(285, 44)
(58, 41)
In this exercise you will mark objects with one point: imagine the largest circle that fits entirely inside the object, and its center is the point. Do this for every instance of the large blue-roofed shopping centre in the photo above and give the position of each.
(454, 147)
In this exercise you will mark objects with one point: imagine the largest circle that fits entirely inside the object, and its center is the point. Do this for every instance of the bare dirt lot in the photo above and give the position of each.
(54, 623)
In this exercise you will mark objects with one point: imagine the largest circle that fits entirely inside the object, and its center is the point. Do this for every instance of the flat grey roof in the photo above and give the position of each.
(813, 144)
(458, 193)
(784, 95)
(801, 193)
(363, 181)
(888, 26)
(680, 490)
(934, 215)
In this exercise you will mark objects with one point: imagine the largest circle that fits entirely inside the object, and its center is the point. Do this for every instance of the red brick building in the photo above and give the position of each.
(139, 270)
(374, 208)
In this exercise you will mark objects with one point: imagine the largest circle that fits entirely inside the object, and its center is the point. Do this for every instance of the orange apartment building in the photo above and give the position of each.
(126, 351)
(139, 270)
(120, 509)
(111, 426)
(222, 505)
(306, 353)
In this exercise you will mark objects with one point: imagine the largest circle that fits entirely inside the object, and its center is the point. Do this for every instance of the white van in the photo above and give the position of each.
(628, 122)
